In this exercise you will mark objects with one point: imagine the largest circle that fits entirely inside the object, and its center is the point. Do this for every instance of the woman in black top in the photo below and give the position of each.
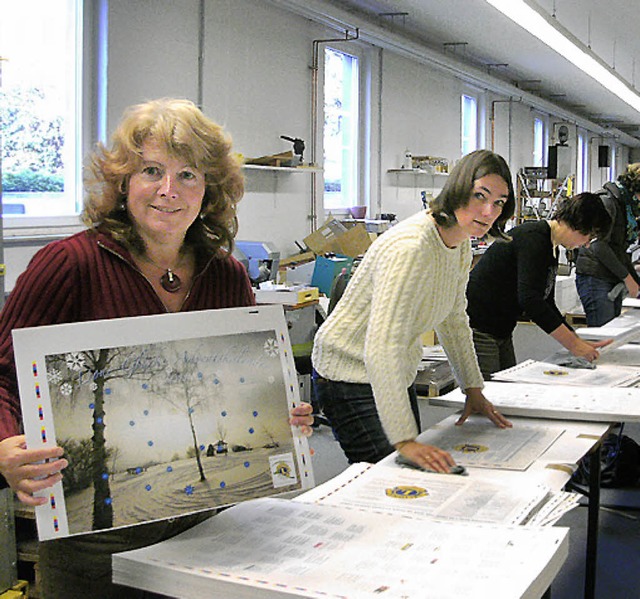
(518, 277)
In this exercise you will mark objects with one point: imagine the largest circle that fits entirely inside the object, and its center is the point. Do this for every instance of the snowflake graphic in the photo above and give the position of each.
(271, 348)
(54, 376)
(93, 386)
(66, 389)
(75, 361)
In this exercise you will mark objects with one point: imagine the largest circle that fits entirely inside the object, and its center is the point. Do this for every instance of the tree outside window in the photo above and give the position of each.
(39, 106)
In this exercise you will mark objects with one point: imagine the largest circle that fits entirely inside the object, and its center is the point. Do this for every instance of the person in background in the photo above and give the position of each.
(412, 279)
(604, 270)
(517, 277)
(160, 212)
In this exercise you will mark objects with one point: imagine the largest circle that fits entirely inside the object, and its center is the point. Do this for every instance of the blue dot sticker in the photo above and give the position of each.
(252, 430)
(150, 443)
(169, 468)
(148, 487)
(255, 413)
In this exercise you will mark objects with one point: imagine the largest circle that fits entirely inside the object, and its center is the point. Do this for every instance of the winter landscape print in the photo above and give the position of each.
(159, 429)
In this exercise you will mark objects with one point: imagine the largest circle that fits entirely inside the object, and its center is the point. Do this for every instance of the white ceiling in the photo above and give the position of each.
(473, 31)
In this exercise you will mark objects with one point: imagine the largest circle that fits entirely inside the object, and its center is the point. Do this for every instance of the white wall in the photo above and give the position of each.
(257, 84)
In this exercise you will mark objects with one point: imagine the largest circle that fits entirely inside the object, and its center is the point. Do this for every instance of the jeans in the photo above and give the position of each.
(598, 308)
(494, 354)
(351, 409)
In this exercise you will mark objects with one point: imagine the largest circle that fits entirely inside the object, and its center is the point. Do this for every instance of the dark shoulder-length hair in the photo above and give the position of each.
(185, 132)
(584, 213)
(457, 191)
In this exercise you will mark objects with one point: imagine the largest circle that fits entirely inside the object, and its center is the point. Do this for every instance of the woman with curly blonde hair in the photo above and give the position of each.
(161, 220)
(181, 128)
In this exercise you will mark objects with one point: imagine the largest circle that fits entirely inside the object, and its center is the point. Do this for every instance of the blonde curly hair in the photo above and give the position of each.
(185, 132)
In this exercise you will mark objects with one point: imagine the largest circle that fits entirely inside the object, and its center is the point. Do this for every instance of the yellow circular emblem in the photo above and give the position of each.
(406, 492)
(471, 448)
(282, 469)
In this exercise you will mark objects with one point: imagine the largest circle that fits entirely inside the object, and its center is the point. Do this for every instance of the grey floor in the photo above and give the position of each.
(618, 566)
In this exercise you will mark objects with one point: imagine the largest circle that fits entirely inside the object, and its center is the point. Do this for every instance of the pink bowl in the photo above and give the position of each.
(358, 211)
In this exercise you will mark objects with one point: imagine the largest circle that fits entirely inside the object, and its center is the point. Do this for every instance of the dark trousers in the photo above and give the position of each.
(79, 567)
(351, 410)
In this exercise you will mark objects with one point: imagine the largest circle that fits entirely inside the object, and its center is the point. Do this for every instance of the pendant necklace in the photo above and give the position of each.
(169, 281)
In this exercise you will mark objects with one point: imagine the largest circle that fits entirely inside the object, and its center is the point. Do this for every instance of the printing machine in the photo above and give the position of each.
(260, 258)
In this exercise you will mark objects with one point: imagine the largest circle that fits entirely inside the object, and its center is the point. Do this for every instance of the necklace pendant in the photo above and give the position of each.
(170, 281)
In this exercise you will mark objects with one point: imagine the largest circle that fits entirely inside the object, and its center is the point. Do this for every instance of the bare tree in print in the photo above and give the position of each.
(92, 370)
(185, 389)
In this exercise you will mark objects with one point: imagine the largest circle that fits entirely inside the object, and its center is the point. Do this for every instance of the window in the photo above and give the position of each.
(341, 101)
(538, 142)
(582, 180)
(40, 106)
(613, 169)
(469, 124)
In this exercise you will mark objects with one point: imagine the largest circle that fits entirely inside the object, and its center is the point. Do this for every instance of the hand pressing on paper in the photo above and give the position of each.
(588, 349)
(426, 456)
(477, 403)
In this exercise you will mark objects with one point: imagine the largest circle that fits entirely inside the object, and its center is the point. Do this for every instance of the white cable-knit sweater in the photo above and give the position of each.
(409, 282)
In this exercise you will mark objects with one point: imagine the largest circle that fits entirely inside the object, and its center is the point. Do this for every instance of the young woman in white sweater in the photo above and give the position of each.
(411, 280)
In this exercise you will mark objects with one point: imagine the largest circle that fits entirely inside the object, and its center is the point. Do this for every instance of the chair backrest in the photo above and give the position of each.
(337, 289)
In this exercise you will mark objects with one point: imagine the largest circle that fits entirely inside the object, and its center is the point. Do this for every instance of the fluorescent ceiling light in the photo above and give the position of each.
(546, 31)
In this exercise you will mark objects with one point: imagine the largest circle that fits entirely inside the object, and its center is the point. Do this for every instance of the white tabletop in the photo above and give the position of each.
(553, 468)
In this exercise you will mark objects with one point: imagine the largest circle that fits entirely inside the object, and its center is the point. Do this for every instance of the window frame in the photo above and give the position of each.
(469, 135)
(19, 228)
(582, 162)
(367, 169)
(352, 132)
(540, 143)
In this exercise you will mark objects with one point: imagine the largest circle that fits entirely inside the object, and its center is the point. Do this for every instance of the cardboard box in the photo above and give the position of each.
(297, 270)
(334, 237)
